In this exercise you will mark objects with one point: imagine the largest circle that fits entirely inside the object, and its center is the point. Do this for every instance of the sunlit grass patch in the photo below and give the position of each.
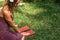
(43, 19)
(2, 3)
(28, 9)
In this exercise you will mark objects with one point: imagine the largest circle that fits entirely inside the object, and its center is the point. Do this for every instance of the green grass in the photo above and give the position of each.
(43, 18)
(2, 3)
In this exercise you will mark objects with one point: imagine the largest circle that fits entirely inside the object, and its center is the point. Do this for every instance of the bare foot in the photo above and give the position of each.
(23, 38)
(25, 33)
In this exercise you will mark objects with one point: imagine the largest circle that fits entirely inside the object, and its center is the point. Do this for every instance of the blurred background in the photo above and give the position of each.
(42, 16)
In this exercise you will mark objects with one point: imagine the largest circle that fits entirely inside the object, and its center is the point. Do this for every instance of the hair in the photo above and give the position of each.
(10, 4)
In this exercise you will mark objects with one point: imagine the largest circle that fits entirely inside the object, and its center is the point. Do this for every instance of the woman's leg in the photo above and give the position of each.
(23, 38)
(24, 35)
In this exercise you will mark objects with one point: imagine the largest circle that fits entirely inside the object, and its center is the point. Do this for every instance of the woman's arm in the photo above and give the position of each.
(9, 20)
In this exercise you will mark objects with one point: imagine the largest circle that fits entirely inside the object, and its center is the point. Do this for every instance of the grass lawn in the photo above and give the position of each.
(43, 18)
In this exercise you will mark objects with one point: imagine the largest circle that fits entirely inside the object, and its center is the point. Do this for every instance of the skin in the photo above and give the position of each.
(7, 14)
(8, 18)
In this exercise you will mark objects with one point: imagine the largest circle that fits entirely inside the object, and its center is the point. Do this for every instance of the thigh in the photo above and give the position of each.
(11, 36)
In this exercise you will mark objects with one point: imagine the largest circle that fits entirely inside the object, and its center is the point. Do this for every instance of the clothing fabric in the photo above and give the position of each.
(5, 33)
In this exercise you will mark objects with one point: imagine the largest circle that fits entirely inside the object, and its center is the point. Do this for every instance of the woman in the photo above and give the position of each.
(6, 21)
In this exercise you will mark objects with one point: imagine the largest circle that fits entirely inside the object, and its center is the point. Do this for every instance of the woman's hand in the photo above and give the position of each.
(16, 25)
(17, 28)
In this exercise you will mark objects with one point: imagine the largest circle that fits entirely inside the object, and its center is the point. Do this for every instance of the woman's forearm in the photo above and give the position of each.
(11, 23)
(7, 16)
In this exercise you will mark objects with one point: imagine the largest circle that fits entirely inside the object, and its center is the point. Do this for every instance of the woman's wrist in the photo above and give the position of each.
(16, 25)
(16, 29)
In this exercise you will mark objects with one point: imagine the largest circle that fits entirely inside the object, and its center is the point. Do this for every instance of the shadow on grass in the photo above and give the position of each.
(50, 29)
(52, 18)
(46, 24)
